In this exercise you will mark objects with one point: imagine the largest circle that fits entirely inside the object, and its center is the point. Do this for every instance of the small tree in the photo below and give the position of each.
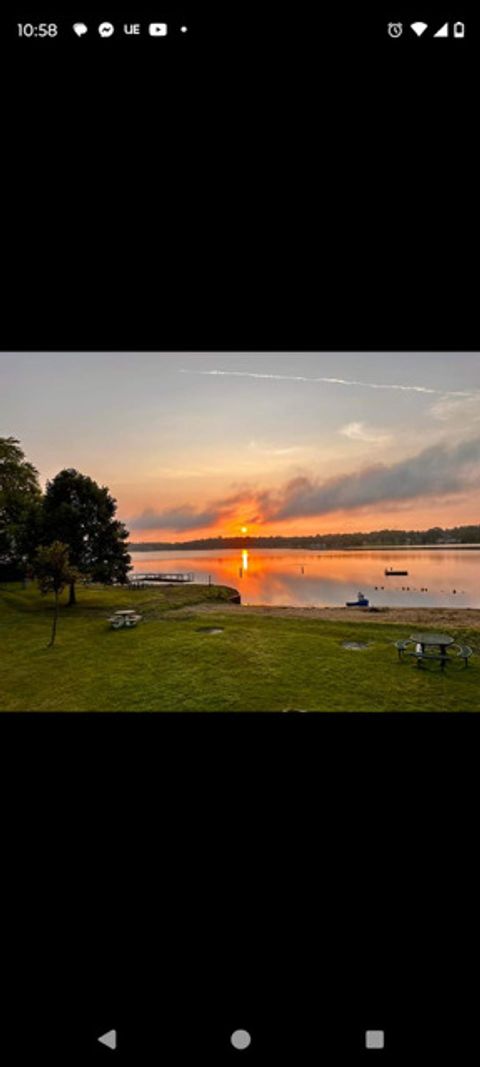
(53, 571)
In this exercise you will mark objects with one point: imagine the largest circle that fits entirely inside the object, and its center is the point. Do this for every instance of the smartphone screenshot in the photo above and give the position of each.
(239, 534)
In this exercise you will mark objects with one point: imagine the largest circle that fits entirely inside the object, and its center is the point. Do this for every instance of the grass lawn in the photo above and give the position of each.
(167, 663)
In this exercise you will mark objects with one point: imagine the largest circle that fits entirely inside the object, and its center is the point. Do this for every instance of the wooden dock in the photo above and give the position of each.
(187, 576)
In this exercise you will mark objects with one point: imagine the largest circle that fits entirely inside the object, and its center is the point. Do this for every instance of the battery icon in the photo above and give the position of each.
(459, 29)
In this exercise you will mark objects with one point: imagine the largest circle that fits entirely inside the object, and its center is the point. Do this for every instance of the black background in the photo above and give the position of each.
(277, 179)
(264, 186)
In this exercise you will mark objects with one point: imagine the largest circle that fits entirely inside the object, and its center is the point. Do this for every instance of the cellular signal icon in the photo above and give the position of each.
(443, 31)
(418, 27)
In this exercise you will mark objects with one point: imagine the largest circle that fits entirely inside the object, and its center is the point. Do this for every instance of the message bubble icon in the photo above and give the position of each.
(80, 29)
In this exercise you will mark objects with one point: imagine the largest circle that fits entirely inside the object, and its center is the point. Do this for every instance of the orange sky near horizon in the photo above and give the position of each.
(438, 513)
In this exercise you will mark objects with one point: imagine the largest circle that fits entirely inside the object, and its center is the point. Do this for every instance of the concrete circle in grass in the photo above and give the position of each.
(354, 645)
(240, 1039)
(209, 630)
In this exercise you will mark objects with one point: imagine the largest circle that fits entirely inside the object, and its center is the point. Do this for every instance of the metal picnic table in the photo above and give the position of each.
(433, 641)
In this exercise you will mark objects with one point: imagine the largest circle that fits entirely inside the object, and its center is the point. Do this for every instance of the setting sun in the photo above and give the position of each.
(244, 529)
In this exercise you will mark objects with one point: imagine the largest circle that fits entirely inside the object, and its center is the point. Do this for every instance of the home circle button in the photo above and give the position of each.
(240, 1039)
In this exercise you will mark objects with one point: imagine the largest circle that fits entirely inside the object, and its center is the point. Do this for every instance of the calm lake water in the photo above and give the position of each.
(302, 578)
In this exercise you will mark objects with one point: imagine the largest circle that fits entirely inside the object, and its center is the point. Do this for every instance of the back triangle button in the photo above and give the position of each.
(109, 1039)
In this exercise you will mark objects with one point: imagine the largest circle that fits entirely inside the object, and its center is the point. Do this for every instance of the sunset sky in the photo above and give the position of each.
(200, 444)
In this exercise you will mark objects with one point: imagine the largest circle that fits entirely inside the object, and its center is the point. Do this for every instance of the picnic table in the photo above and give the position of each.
(432, 646)
(124, 619)
(428, 640)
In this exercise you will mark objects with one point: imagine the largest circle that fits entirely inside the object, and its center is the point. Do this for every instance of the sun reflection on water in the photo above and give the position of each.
(278, 576)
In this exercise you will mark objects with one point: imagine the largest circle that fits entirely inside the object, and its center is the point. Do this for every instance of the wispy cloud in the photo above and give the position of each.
(451, 406)
(192, 472)
(328, 381)
(269, 450)
(359, 431)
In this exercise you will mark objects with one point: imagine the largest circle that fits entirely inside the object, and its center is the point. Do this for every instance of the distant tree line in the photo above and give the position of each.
(61, 535)
(433, 536)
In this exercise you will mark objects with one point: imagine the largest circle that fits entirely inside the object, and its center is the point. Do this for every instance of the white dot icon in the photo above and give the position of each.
(183, 29)
(240, 1039)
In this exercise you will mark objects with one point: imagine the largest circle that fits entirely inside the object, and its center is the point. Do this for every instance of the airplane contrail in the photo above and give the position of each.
(329, 381)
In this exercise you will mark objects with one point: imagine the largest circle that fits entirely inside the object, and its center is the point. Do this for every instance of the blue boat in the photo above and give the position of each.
(360, 602)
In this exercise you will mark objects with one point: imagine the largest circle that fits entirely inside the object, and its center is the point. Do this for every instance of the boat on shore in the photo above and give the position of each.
(389, 573)
(360, 602)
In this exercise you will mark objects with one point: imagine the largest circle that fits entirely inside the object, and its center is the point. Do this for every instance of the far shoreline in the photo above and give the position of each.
(151, 547)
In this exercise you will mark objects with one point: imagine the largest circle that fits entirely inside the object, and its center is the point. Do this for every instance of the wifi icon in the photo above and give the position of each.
(418, 27)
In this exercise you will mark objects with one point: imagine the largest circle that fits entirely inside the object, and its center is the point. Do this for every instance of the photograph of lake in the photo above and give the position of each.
(240, 531)
(436, 577)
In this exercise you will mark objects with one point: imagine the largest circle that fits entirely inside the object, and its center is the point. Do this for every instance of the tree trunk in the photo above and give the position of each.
(54, 624)
(72, 598)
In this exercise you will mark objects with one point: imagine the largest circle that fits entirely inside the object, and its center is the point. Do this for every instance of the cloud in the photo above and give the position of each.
(435, 471)
(448, 407)
(185, 517)
(439, 471)
(178, 519)
(358, 431)
(328, 381)
(267, 450)
(191, 472)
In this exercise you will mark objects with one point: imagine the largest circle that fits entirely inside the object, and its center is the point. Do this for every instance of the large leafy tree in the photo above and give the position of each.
(53, 570)
(81, 514)
(20, 498)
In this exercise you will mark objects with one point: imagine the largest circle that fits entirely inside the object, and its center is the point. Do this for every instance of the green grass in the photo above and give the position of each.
(258, 663)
